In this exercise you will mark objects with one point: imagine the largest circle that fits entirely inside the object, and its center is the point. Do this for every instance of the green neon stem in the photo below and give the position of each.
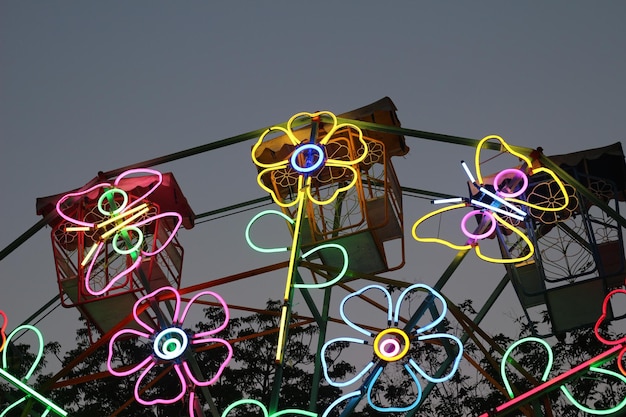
(505, 359)
(295, 248)
(586, 409)
(29, 391)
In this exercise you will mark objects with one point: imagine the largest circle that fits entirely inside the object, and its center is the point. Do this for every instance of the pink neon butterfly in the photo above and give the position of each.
(120, 221)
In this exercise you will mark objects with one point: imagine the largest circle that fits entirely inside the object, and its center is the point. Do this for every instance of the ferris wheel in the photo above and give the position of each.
(553, 224)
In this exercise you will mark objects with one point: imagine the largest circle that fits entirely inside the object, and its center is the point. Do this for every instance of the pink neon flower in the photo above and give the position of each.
(120, 223)
(171, 346)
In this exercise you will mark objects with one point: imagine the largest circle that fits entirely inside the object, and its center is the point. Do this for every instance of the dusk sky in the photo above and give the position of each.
(94, 86)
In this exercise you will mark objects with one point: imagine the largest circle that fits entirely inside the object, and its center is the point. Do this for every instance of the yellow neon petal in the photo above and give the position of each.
(337, 191)
(561, 187)
(271, 191)
(435, 239)
(508, 260)
(505, 145)
(260, 141)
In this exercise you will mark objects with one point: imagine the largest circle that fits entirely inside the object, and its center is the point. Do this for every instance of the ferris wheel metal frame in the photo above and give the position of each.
(321, 316)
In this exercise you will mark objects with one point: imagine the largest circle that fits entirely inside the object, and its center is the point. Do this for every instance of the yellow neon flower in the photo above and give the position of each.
(324, 161)
(498, 205)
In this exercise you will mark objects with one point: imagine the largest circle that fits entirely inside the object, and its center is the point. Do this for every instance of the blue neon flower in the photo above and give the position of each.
(392, 344)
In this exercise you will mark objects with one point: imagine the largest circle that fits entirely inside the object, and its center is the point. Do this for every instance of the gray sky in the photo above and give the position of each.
(93, 86)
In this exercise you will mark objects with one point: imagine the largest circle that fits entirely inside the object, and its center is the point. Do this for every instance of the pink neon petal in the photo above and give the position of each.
(224, 306)
(113, 280)
(146, 298)
(219, 371)
(192, 397)
(139, 383)
(137, 367)
(140, 170)
(172, 235)
(113, 342)
(70, 195)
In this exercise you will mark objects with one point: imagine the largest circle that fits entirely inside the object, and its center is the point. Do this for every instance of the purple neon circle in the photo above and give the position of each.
(517, 173)
(316, 165)
(473, 235)
(383, 347)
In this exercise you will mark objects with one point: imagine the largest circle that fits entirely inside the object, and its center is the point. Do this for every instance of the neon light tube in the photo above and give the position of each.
(397, 352)
(507, 353)
(113, 281)
(339, 276)
(124, 223)
(467, 171)
(156, 401)
(28, 390)
(517, 173)
(179, 222)
(3, 337)
(307, 169)
(447, 200)
(141, 171)
(355, 378)
(108, 194)
(77, 229)
(264, 410)
(281, 335)
(502, 201)
(133, 249)
(356, 294)
(455, 364)
(436, 239)
(70, 195)
(442, 314)
(394, 409)
(89, 254)
(18, 383)
(338, 401)
(586, 409)
(556, 380)
(126, 213)
(497, 210)
(39, 354)
(254, 219)
(167, 347)
(474, 236)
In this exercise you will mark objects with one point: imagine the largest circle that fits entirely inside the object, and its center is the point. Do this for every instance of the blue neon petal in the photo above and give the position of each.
(325, 365)
(455, 364)
(394, 409)
(357, 293)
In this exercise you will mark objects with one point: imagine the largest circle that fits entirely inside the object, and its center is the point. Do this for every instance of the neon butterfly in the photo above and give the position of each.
(496, 204)
(122, 219)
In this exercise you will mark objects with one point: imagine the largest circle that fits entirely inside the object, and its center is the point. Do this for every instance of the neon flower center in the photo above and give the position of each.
(391, 344)
(170, 343)
(313, 157)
